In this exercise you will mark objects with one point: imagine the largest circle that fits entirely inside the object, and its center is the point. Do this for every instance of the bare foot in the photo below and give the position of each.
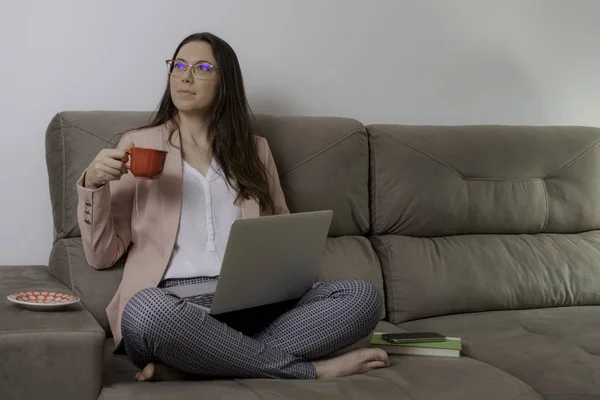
(154, 372)
(355, 362)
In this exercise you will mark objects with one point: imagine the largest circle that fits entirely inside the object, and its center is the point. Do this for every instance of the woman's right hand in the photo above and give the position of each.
(109, 165)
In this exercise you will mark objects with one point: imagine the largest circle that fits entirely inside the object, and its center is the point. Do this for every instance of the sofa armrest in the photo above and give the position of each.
(46, 355)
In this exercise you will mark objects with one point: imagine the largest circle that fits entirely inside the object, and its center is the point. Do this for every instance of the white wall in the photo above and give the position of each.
(405, 62)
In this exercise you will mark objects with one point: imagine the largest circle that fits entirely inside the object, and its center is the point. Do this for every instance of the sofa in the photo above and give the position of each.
(487, 233)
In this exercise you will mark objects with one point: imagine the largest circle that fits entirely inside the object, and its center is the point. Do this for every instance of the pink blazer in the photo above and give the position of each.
(117, 218)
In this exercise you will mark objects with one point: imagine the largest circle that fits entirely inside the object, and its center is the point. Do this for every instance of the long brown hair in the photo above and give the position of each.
(231, 128)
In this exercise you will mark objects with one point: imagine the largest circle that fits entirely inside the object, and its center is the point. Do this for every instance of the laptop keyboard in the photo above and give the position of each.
(204, 299)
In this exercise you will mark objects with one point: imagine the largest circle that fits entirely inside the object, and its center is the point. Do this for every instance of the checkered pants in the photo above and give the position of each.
(276, 341)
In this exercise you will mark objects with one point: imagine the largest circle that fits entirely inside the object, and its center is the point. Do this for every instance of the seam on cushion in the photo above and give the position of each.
(239, 382)
(64, 176)
(467, 203)
(503, 179)
(37, 331)
(388, 257)
(543, 334)
(547, 205)
(70, 270)
(520, 396)
(400, 388)
(516, 378)
(378, 262)
(371, 145)
(392, 291)
(567, 165)
(394, 139)
(321, 151)
(86, 131)
(577, 158)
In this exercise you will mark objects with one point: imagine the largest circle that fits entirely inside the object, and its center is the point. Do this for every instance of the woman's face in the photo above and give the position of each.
(189, 93)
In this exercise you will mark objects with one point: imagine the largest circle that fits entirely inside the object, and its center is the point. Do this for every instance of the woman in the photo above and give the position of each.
(175, 229)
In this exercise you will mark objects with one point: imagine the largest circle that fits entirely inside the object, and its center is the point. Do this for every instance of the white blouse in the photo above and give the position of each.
(207, 212)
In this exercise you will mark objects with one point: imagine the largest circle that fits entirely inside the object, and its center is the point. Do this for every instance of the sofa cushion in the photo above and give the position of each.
(448, 180)
(351, 257)
(95, 288)
(409, 378)
(344, 257)
(73, 139)
(556, 351)
(323, 162)
(427, 277)
(46, 355)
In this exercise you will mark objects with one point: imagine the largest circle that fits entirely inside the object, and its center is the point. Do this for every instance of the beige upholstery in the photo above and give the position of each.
(46, 355)
(469, 273)
(351, 257)
(499, 220)
(489, 233)
(408, 379)
(73, 139)
(555, 350)
(303, 148)
(95, 288)
(323, 163)
(436, 181)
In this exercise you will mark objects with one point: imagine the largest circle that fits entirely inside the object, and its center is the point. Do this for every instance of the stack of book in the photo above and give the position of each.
(450, 347)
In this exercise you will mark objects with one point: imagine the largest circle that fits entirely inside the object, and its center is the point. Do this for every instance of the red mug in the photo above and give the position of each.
(146, 163)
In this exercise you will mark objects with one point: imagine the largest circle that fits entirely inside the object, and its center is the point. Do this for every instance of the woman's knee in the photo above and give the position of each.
(363, 296)
(365, 304)
(368, 297)
(146, 309)
(362, 305)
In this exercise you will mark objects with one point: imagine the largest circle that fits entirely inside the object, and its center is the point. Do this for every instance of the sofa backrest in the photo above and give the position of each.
(323, 163)
(460, 219)
(477, 218)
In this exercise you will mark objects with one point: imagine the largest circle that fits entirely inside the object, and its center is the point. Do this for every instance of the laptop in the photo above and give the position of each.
(267, 260)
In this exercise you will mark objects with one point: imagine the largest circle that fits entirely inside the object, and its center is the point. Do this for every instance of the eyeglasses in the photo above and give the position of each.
(200, 69)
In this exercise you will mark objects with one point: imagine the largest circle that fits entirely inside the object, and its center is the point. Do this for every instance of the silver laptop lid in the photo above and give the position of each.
(271, 259)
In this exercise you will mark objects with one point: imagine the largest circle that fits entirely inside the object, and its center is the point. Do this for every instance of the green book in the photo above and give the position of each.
(450, 347)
